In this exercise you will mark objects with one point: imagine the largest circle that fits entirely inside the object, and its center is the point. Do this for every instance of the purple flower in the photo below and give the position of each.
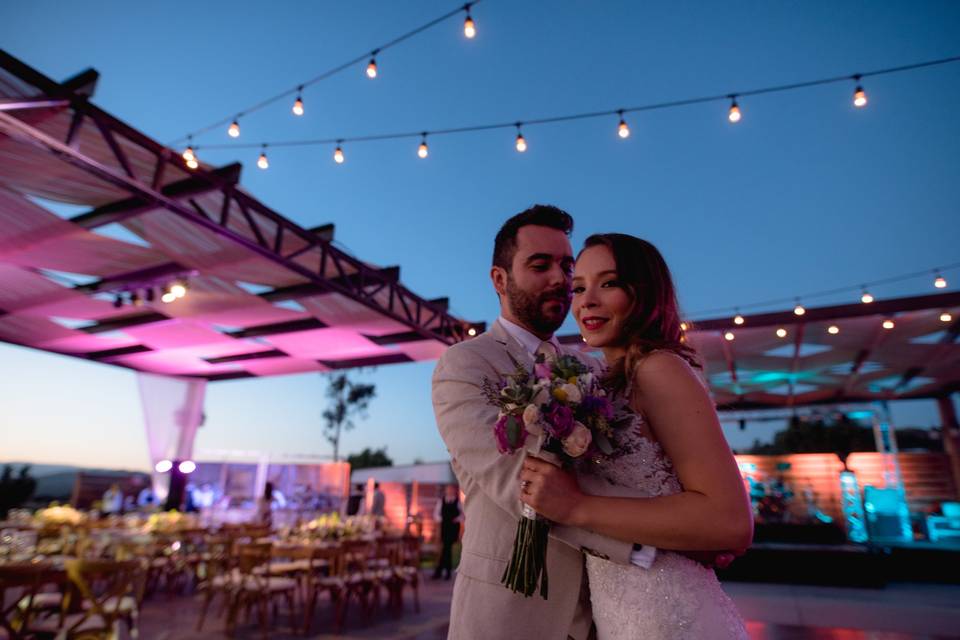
(542, 370)
(509, 434)
(559, 420)
(591, 405)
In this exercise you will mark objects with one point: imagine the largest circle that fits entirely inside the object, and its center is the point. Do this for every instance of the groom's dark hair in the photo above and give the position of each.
(544, 215)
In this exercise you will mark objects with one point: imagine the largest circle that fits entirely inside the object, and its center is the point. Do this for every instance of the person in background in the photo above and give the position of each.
(146, 499)
(449, 516)
(112, 502)
(265, 506)
(355, 500)
(379, 506)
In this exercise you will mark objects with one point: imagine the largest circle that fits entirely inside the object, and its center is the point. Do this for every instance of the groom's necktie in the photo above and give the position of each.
(548, 351)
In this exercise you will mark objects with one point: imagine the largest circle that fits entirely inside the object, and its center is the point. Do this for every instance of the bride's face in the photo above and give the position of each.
(601, 304)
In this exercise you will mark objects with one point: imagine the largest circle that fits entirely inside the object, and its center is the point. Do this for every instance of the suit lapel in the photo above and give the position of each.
(510, 344)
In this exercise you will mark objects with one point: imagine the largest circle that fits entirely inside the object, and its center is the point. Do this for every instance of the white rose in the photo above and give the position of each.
(572, 392)
(533, 419)
(577, 442)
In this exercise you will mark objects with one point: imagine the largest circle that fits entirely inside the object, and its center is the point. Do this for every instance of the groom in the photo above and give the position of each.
(532, 271)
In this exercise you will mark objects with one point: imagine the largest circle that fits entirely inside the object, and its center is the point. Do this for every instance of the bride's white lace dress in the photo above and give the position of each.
(677, 597)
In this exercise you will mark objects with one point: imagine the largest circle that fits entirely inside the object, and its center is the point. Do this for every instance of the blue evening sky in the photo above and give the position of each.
(805, 194)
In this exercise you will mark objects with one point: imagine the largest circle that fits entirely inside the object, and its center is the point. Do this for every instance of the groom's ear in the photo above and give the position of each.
(498, 275)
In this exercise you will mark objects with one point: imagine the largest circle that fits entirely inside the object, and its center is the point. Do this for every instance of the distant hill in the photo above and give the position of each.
(55, 481)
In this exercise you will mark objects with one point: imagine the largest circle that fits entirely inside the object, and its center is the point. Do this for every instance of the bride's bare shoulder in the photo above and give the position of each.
(663, 369)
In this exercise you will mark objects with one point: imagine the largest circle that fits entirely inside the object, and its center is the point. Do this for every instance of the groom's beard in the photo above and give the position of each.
(529, 308)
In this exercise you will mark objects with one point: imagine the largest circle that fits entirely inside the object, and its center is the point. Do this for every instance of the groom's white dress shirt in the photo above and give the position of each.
(642, 556)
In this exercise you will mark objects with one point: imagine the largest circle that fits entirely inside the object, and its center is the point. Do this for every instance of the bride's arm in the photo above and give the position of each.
(712, 511)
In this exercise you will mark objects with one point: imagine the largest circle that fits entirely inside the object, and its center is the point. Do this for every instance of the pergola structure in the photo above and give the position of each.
(265, 296)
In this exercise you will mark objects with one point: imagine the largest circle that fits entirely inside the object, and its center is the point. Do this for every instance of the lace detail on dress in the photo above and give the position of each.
(677, 597)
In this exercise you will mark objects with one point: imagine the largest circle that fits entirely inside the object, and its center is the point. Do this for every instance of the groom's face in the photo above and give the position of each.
(536, 290)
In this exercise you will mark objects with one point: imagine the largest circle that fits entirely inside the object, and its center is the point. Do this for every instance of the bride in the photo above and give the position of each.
(681, 486)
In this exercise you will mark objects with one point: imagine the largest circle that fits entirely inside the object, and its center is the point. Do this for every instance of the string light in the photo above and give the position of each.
(193, 163)
(168, 296)
(469, 28)
(423, 151)
(738, 319)
(833, 329)
(234, 130)
(188, 153)
(945, 317)
(799, 310)
(734, 114)
(262, 161)
(521, 142)
(683, 326)
(179, 288)
(781, 333)
(298, 103)
(939, 281)
(338, 153)
(866, 298)
(471, 332)
(729, 336)
(888, 324)
(623, 130)
(372, 67)
(859, 95)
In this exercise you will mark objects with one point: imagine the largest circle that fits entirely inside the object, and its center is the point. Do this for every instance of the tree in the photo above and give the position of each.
(347, 399)
(15, 490)
(370, 458)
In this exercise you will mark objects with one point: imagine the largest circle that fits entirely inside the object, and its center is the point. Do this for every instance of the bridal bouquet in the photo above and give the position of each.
(558, 411)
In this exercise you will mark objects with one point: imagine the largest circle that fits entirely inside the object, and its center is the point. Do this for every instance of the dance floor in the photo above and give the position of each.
(774, 612)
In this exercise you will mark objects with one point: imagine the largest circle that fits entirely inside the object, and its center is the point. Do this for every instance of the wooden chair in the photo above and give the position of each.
(256, 587)
(407, 570)
(328, 577)
(24, 598)
(107, 592)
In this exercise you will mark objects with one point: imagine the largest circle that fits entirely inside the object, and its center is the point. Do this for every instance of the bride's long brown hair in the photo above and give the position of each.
(654, 320)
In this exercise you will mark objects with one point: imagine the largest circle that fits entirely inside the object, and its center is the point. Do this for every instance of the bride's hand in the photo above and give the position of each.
(551, 491)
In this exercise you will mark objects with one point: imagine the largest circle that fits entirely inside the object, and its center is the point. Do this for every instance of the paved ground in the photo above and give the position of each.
(773, 612)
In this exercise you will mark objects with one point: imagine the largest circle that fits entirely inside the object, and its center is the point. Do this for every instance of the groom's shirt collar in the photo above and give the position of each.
(526, 339)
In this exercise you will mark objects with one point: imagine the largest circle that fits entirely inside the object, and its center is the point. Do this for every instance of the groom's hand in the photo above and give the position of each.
(549, 490)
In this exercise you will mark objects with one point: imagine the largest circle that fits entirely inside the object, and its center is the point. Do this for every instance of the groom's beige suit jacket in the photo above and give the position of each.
(482, 608)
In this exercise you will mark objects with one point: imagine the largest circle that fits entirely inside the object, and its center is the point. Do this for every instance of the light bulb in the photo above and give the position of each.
(372, 68)
(338, 155)
(940, 282)
(192, 163)
(734, 115)
(799, 310)
(178, 289)
(683, 326)
(163, 466)
(866, 298)
(623, 130)
(859, 97)
(234, 129)
(833, 329)
(888, 324)
(298, 106)
(521, 143)
(168, 297)
(781, 333)
(262, 161)
(471, 332)
(188, 154)
(738, 319)
(945, 317)
(423, 151)
(187, 467)
(728, 335)
(469, 28)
